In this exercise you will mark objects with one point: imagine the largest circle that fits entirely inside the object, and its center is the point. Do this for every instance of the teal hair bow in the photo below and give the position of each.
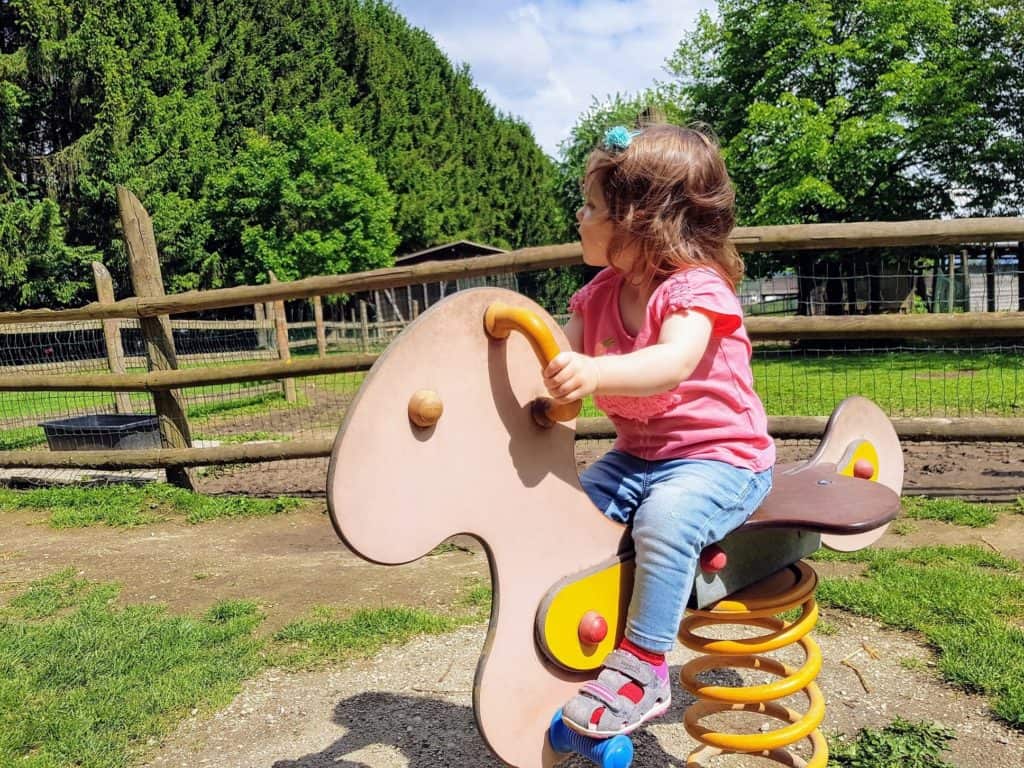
(619, 138)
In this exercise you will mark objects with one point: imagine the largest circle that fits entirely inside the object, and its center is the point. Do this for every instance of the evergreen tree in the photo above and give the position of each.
(166, 98)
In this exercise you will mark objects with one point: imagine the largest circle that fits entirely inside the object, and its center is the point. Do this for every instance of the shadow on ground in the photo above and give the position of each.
(428, 732)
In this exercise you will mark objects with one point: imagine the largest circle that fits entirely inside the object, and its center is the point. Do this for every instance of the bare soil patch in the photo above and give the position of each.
(411, 706)
(974, 471)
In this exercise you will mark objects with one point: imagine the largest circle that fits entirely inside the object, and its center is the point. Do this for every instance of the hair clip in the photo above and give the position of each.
(618, 138)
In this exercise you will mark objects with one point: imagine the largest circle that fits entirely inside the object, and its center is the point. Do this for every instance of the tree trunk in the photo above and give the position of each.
(875, 285)
(833, 289)
(805, 282)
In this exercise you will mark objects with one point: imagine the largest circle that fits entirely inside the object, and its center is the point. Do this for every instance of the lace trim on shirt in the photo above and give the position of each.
(638, 408)
(680, 294)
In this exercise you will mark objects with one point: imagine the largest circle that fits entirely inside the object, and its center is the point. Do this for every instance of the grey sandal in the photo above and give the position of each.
(620, 715)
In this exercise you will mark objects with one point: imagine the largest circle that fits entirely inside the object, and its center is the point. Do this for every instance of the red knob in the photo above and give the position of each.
(863, 469)
(712, 559)
(593, 628)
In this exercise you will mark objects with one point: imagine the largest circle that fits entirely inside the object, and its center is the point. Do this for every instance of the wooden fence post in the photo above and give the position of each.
(260, 316)
(364, 328)
(990, 279)
(111, 333)
(321, 334)
(144, 264)
(1020, 277)
(283, 352)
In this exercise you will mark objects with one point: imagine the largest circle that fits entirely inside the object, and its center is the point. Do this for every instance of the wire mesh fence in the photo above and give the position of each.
(947, 379)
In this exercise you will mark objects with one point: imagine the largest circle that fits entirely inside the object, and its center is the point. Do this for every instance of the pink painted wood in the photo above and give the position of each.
(396, 491)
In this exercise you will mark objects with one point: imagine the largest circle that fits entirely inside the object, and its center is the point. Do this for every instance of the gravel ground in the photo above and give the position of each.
(411, 707)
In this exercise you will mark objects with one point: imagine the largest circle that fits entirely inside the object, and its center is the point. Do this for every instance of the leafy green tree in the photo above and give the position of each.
(857, 110)
(554, 287)
(301, 200)
(106, 93)
(160, 96)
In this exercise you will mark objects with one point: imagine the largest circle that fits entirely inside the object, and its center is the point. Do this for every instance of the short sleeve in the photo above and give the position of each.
(708, 292)
(578, 301)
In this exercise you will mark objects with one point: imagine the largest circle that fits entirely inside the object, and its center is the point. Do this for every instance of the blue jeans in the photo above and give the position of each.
(676, 507)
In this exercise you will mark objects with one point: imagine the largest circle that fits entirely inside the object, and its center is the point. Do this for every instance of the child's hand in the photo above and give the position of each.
(571, 376)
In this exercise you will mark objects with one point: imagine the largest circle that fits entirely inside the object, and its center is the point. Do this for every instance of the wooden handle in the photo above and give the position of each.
(500, 320)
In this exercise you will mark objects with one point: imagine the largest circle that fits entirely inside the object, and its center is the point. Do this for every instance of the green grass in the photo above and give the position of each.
(124, 505)
(243, 437)
(325, 637)
(83, 683)
(901, 744)
(86, 683)
(951, 510)
(21, 437)
(967, 602)
(902, 383)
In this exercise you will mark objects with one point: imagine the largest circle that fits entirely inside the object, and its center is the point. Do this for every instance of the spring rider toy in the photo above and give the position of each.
(452, 433)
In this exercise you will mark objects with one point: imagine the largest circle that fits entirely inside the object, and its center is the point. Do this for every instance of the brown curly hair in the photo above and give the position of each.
(669, 195)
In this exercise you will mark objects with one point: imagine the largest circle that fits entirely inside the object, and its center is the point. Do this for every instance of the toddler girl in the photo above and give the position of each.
(658, 339)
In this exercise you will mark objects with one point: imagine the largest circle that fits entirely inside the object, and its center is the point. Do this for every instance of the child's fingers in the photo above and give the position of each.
(558, 362)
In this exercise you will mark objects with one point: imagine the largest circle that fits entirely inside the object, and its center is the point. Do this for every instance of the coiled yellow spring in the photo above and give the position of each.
(757, 606)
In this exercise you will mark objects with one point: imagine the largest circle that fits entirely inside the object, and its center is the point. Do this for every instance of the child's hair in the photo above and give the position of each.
(669, 195)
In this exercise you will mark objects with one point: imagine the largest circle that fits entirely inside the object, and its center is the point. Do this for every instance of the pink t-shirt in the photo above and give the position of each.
(715, 413)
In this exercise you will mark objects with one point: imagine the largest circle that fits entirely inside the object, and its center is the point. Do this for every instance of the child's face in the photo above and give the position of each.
(595, 226)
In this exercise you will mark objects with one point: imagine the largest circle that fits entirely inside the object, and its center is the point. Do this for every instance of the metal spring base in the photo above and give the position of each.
(757, 606)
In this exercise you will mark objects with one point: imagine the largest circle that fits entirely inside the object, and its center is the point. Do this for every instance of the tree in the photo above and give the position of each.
(555, 286)
(36, 266)
(301, 200)
(846, 110)
(160, 96)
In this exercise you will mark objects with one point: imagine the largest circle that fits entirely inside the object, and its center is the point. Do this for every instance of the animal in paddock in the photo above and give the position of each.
(443, 439)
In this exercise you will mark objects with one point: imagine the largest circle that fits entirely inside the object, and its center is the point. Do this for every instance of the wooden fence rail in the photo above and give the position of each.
(993, 429)
(150, 312)
(788, 237)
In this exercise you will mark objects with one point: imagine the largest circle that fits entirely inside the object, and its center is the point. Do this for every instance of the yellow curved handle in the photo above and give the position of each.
(500, 320)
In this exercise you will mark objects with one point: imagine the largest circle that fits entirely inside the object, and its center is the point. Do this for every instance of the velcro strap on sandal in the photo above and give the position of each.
(632, 667)
(601, 692)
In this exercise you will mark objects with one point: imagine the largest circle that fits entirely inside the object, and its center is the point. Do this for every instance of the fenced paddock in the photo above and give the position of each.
(233, 393)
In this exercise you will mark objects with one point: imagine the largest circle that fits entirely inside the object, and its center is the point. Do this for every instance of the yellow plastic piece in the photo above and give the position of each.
(601, 592)
(500, 320)
(756, 606)
(862, 450)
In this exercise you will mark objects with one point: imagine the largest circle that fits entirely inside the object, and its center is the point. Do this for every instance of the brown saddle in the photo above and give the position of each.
(816, 498)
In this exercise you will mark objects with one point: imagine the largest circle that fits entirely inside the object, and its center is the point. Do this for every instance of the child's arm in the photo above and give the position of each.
(658, 368)
(574, 332)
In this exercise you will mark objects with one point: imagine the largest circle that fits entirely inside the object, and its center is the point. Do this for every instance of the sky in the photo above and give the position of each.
(546, 61)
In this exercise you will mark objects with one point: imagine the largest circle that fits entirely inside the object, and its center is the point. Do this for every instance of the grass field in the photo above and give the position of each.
(86, 683)
(903, 382)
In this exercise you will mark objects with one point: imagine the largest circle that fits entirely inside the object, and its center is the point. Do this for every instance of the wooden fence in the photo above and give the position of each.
(151, 309)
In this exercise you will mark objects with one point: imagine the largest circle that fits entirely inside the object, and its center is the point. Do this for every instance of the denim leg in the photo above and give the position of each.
(616, 483)
(691, 503)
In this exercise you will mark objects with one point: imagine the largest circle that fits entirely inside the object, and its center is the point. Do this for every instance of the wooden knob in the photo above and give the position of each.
(425, 408)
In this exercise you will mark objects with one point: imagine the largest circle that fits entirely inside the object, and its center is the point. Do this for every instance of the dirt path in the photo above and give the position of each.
(411, 706)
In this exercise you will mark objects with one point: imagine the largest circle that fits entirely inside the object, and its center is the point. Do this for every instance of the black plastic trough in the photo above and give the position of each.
(100, 431)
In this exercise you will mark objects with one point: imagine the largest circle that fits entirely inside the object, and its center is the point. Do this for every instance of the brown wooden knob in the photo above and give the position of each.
(425, 408)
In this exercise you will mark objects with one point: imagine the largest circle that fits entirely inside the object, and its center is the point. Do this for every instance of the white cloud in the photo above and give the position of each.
(546, 61)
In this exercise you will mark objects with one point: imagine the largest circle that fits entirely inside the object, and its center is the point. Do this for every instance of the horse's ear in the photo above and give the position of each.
(441, 433)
